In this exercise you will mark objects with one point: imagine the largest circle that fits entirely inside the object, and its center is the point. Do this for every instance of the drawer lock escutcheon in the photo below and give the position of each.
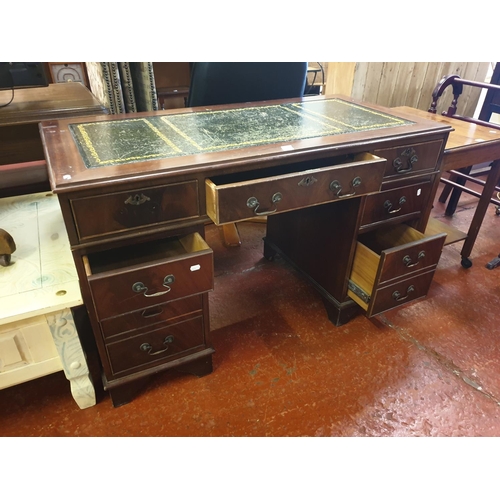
(397, 295)
(149, 348)
(253, 202)
(407, 259)
(388, 205)
(308, 181)
(140, 287)
(336, 187)
(137, 199)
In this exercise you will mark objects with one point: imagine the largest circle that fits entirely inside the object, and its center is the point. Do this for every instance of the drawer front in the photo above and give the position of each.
(268, 195)
(156, 346)
(107, 214)
(141, 287)
(411, 159)
(395, 204)
(400, 293)
(411, 258)
(150, 316)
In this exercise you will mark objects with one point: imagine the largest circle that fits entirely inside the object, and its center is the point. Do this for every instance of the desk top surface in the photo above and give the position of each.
(106, 143)
(101, 149)
(58, 100)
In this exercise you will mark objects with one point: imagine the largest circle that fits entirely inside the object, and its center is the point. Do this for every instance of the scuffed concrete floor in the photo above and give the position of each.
(281, 368)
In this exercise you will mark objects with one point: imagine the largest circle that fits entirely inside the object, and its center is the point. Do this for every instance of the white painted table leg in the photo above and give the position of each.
(63, 330)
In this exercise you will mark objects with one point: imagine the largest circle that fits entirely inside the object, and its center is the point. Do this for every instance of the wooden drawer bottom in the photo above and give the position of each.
(156, 346)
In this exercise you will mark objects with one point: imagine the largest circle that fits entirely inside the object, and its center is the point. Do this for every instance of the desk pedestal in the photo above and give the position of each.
(314, 240)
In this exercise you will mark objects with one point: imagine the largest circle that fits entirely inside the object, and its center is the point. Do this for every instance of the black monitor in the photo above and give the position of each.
(14, 75)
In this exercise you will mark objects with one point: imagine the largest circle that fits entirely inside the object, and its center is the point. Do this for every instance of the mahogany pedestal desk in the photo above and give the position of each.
(346, 187)
(467, 144)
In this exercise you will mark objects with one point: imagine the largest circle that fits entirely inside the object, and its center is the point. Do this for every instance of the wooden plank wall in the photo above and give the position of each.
(404, 83)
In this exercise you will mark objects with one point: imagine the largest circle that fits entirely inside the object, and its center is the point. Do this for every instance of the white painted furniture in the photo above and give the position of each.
(37, 332)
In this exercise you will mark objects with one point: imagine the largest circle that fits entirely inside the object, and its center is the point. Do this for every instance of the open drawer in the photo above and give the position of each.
(393, 266)
(234, 197)
(131, 278)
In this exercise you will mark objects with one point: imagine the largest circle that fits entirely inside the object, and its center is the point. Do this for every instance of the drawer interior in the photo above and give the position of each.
(390, 237)
(280, 170)
(144, 253)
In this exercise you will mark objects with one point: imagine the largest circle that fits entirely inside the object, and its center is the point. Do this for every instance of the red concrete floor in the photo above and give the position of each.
(281, 368)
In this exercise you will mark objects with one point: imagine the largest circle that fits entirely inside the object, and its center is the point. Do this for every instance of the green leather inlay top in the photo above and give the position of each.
(155, 137)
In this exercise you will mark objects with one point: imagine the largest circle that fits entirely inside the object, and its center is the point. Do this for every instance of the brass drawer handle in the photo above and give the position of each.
(400, 168)
(253, 202)
(397, 295)
(140, 287)
(388, 205)
(407, 260)
(411, 158)
(336, 187)
(137, 199)
(148, 347)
